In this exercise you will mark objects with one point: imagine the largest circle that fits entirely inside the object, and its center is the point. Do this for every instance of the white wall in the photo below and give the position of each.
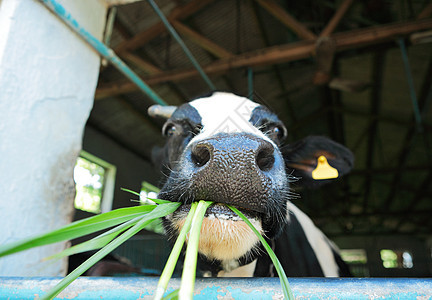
(48, 76)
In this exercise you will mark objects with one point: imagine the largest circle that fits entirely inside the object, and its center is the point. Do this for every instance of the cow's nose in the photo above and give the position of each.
(201, 153)
(259, 152)
(265, 156)
(235, 168)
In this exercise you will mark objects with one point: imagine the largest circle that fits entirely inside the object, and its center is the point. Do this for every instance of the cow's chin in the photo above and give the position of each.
(224, 236)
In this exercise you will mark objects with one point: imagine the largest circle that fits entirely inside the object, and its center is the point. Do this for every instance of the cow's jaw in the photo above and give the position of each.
(224, 235)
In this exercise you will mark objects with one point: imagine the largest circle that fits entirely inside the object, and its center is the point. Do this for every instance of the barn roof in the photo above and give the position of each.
(333, 68)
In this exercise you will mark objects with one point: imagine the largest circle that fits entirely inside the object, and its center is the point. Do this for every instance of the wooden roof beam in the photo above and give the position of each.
(145, 36)
(276, 69)
(201, 41)
(337, 17)
(280, 14)
(285, 53)
(141, 63)
(426, 12)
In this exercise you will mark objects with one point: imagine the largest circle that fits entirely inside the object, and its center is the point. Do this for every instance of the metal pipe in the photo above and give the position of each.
(101, 48)
(108, 30)
(182, 44)
(410, 80)
(225, 288)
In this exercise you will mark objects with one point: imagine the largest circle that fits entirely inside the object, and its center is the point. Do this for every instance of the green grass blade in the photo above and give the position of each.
(158, 201)
(159, 211)
(93, 244)
(97, 242)
(172, 296)
(282, 276)
(130, 191)
(174, 255)
(78, 229)
(189, 268)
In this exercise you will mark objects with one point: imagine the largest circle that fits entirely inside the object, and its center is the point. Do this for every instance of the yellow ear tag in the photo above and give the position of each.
(324, 170)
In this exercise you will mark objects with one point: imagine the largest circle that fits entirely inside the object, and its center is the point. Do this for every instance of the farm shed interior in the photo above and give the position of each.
(359, 72)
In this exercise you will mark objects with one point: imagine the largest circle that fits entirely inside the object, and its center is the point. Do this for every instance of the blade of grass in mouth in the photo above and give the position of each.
(189, 268)
(174, 255)
(134, 219)
(282, 276)
(160, 211)
(78, 228)
(192, 225)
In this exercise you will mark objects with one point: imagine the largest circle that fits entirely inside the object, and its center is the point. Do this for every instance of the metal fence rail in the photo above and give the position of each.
(223, 288)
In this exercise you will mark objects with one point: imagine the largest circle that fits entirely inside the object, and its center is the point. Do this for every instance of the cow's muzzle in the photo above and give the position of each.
(237, 169)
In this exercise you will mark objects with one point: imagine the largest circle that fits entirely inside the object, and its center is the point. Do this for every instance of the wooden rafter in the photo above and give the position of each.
(337, 17)
(141, 63)
(147, 35)
(279, 54)
(260, 24)
(201, 41)
(426, 12)
(136, 60)
(122, 29)
(285, 18)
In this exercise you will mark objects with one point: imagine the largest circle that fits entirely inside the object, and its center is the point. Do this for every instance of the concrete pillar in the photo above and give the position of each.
(48, 76)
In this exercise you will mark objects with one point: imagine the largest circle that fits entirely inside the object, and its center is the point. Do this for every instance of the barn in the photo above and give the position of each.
(77, 78)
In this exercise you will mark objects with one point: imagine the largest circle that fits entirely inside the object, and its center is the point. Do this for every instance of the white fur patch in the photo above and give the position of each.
(227, 113)
(318, 241)
(243, 271)
(224, 239)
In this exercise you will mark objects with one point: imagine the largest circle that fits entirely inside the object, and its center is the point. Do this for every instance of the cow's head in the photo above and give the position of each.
(227, 149)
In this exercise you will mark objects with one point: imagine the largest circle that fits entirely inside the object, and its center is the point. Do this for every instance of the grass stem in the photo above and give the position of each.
(282, 276)
(189, 267)
(160, 210)
(174, 255)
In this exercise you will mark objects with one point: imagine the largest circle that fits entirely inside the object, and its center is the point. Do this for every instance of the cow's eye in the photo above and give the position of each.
(197, 129)
(170, 130)
(278, 132)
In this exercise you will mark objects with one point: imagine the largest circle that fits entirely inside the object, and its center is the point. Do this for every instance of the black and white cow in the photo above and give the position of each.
(227, 149)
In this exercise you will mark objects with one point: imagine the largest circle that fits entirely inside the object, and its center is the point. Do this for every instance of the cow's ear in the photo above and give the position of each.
(317, 160)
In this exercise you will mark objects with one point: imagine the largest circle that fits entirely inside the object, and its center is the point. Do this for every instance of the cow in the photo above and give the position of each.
(230, 150)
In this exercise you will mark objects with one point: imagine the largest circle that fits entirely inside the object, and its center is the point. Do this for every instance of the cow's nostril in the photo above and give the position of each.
(200, 155)
(265, 158)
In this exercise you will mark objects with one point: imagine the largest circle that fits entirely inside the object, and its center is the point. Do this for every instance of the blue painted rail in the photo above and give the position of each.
(223, 288)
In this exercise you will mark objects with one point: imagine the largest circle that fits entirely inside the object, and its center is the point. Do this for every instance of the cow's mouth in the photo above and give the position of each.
(224, 235)
(220, 211)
